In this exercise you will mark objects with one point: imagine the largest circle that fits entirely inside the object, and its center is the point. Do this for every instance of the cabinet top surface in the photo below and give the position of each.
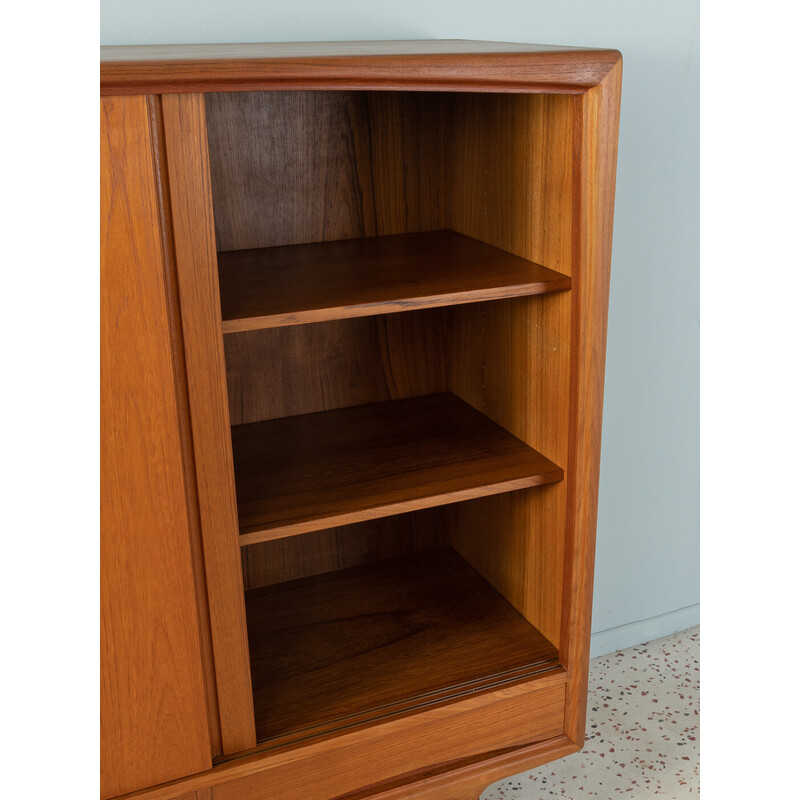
(422, 64)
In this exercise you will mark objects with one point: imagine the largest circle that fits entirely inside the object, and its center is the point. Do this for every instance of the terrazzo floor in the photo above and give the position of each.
(642, 737)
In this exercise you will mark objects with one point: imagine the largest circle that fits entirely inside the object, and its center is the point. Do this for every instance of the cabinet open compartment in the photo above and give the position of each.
(396, 549)
(341, 648)
(394, 274)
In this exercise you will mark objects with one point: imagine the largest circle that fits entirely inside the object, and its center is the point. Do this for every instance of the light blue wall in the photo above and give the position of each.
(647, 577)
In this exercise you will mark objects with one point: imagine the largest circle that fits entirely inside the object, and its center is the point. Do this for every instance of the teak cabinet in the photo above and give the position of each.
(353, 308)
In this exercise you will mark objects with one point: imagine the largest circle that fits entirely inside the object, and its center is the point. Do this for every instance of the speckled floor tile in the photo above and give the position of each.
(642, 737)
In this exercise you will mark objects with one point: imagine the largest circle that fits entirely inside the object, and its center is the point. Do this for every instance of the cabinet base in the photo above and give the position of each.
(465, 780)
(520, 727)
(468, 780)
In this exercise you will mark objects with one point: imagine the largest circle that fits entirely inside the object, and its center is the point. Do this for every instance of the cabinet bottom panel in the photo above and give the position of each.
(357, 645)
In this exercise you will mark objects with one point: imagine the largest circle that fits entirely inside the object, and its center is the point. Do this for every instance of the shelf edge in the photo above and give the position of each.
(257, 533)
(286, 319)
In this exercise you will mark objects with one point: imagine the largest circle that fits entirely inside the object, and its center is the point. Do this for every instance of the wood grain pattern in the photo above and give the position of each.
(149, 636)
(307, 368)
(513, 171)
(346, 647)
(293, 557)
(452, 65)
(599, 125)
(277, 286)
(195, 259)
(298, 167)
(337, 467)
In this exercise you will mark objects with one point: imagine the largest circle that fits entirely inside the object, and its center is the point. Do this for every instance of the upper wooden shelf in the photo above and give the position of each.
(428, 64)
(316, 471)
(276, 286)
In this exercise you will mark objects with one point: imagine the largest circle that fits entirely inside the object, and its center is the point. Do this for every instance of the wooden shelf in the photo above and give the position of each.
(276, 286)
(315, 471)
(346, 647)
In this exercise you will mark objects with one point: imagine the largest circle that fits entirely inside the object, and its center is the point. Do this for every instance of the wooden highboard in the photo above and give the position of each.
(353, 319)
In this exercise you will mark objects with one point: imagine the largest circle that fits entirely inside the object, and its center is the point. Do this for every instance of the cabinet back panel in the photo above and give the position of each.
(332, 549)
(312, 166)
(303, 369)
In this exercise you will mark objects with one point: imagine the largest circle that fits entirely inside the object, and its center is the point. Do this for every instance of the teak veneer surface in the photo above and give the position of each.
(314, 471)
(516, 721)
(276, 286)
(600, 123)
(153, 723)
(356, 644)
(194, 252)
(457, 65)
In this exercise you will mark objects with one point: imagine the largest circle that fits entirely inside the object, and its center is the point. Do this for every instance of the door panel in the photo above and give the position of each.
(153, 716)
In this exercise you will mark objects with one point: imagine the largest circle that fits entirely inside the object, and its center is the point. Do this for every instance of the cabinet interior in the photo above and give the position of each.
(439, 568)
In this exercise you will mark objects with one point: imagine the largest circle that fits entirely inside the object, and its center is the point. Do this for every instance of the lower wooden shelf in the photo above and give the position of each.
(343, 648)
(316, 471)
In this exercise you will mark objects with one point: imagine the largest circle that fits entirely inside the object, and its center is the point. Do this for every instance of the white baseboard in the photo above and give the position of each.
(645, 630)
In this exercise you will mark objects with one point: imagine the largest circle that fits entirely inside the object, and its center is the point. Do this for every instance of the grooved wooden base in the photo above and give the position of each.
(459, 779)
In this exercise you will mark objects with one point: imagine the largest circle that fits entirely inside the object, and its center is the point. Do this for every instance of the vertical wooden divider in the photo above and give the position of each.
(185, 420)
(186, 146)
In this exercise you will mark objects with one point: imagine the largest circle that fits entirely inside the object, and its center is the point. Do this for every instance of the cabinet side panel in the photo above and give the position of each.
(513, 181)
(599, 126)
(153, 719)
(196, 265)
